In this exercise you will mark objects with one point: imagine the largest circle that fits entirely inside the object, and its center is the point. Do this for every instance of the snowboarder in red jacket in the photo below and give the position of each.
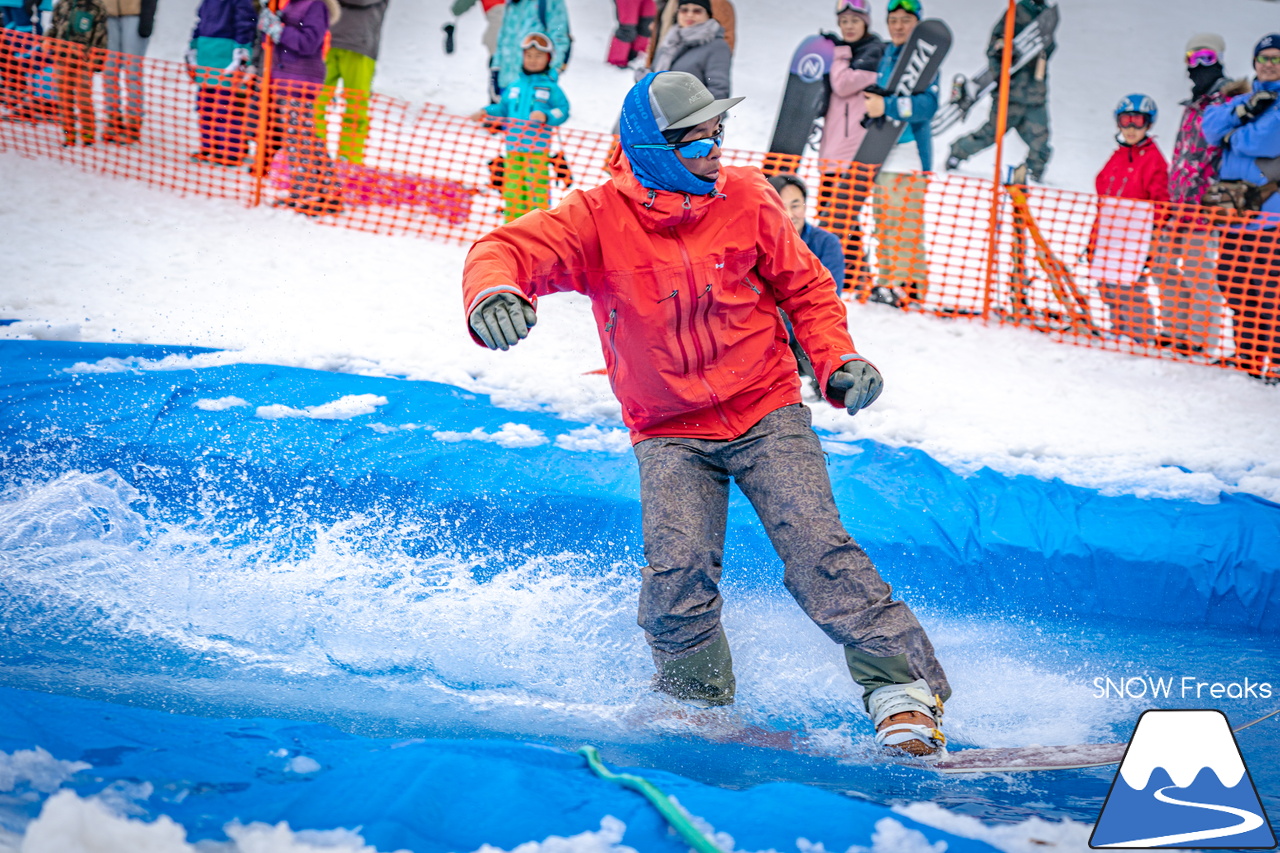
(686, 263)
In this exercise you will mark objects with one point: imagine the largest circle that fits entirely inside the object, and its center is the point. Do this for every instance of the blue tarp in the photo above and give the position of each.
(983, 542)
(427, 796)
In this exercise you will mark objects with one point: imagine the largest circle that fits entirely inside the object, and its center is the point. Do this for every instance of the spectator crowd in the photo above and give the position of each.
(1166, 279)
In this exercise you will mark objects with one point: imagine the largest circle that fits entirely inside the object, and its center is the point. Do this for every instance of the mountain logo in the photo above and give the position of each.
(1183, 783)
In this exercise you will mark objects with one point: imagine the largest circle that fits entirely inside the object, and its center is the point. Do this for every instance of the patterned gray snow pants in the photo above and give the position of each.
(781, 468)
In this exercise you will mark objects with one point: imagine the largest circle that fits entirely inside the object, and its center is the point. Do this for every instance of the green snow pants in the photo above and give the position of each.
(355, 71)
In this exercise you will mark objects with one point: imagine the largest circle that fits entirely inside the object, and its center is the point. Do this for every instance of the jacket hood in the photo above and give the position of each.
(658, 208)
(656, 168)
(1235, 87)
(335, 10)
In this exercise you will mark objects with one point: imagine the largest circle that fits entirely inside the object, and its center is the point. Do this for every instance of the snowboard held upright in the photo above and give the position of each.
(918, 65)
(966, 92)
(805, 98)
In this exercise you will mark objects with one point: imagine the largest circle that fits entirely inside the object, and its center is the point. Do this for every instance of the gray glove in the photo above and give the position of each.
(1255, 105)
(860, 382)
(503, 320)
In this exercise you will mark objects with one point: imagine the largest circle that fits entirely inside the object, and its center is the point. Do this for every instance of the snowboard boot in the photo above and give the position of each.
(953, 163)
(907, 718)
(704, 679)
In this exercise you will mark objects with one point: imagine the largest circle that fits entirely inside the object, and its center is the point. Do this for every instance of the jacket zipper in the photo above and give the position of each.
(684, 355)
(693, 331)
(612, 328)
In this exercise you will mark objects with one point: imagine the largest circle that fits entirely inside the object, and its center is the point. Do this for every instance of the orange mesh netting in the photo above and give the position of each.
(1154, 279)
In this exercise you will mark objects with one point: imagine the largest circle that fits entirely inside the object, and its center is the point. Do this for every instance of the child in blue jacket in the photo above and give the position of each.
(531, 106)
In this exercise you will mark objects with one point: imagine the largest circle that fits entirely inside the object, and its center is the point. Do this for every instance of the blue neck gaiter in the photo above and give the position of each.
(655, 168)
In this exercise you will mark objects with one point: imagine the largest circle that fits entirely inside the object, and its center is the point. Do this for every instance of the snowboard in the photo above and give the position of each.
(1031, 758)
(966, 92)
(723, 725)
(914, 73)
(805, 98)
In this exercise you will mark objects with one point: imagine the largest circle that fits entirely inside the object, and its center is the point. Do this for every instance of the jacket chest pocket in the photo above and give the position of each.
(737, 292)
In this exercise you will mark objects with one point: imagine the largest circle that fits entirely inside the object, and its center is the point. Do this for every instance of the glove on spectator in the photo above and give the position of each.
(1256, 105)
(270, 25)
(239, 59)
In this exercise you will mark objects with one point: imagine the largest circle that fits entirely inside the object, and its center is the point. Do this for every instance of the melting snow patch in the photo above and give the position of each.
(220, 404)
(509, 436)
(594, 438)
(1033, 834)
(302, 764)
(68, 822)
(37, 768)
(170, 362)
(386, 429)
(350, 406)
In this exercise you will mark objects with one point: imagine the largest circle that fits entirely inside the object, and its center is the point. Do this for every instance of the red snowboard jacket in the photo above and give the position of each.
(1136, 171)
(685, 292)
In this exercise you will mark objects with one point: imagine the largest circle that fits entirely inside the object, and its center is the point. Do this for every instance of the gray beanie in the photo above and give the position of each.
(1212, 41)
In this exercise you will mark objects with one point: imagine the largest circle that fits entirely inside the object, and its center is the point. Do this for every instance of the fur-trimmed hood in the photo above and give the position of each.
(335, 11)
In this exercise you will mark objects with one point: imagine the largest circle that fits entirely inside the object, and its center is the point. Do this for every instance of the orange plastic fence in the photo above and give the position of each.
(1157, 280)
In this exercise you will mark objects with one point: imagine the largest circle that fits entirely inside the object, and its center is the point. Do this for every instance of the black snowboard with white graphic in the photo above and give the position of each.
(966, 92)
(917, 67)
(805, 98)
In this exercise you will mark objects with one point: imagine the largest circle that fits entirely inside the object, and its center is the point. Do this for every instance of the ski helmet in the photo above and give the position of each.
(1138, 103)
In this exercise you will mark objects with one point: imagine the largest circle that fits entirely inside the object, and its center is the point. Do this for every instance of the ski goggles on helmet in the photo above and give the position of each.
(1133, 120)
(912, 6)
(1203, 56)
(692, 149)
(538, 41)
(861, 6)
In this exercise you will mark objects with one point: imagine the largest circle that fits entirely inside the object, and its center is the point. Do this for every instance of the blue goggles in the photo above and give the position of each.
(692, 149)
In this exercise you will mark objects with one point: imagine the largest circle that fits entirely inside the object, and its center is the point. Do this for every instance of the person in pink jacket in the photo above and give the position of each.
(1135, 176)
(853, 68)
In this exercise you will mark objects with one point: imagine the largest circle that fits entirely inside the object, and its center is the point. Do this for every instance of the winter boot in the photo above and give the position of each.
(704, 679)
(131, 130)
(907, 718)
(619, 51)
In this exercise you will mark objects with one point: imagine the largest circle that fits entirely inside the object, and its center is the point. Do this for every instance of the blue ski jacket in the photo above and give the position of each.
(525, 95)
(827, 247)
(1244, 143)
(916, 110)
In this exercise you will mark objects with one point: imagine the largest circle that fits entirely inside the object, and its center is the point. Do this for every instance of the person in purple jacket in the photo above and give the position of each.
(300, 32)
(218, 61)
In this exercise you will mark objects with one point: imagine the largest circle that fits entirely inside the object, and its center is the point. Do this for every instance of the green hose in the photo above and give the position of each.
(675, 816)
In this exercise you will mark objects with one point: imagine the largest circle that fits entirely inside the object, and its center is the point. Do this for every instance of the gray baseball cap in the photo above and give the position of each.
(679, 99)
